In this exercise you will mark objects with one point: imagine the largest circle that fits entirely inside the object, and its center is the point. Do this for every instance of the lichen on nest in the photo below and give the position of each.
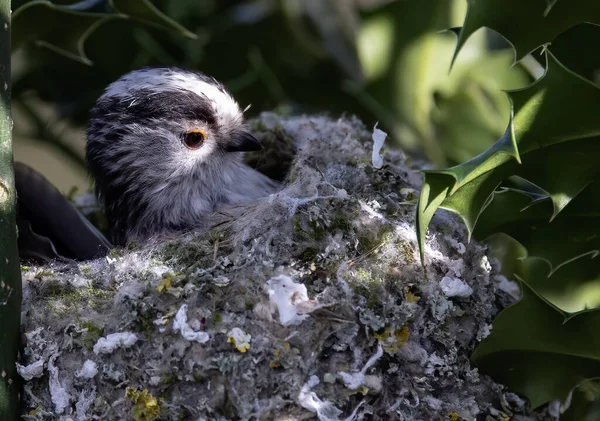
(310, 303)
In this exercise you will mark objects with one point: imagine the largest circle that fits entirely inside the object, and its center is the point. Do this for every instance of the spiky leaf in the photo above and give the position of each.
(535, 352)
(403, 46)
(527, 24)
(536, 194)
(539, 112)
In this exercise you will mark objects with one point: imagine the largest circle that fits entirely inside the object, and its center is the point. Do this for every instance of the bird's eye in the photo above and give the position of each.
(194, 139)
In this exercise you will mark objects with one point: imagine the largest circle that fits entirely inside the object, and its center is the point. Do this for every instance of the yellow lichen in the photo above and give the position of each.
(409, 296)
(239, 338)
(453, 416)
(393, 339)
(363, 390)
(145, 406)
(165, 283)
(276, 363)
(408, 193)
(35, 411)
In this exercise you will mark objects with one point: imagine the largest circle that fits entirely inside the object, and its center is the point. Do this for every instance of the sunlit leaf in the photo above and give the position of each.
(471, 112)
(535, 352)
(539, 115)
(538, 203)
(573, 287)
(447, 183)
(527, 25)
(405, 58)
(585, 403)
(541, 111)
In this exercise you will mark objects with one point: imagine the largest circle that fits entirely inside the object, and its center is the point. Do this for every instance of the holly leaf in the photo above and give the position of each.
(536, 194)
(534, 350)
(585, 403)
(529, 219)
(527, 25)
(538, 123)
(587, 38)
(471, 111)
(572, 287)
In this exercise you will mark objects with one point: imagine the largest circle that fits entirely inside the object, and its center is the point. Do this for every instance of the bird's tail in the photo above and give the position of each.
(50, 227)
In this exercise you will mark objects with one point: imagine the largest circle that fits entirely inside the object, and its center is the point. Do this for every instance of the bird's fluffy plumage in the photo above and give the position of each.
(149, 181)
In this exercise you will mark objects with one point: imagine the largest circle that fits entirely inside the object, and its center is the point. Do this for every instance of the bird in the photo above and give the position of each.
(165, 149)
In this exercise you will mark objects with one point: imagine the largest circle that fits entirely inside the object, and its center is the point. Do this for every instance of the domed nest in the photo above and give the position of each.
(311, 302)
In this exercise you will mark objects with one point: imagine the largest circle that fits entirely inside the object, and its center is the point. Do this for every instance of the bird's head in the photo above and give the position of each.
(155, 130)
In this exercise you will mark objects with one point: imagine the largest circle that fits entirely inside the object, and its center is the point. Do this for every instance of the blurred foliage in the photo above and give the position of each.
(382, 60)
(36, 21)
(406, 61)
(535, 195)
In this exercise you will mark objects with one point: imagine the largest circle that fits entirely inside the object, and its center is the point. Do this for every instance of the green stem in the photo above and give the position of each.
(10, 274)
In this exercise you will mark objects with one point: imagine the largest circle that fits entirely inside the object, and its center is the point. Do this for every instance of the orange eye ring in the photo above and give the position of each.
(194, 139)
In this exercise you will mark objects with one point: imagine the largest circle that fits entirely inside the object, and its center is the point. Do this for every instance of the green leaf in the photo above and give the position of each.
(450, 189)
(585, 403)
(144, 11)
(572, 287)
(508, 251)
(401, 49)
(578, 163)
(536, 352)
(584, 59)
(43, 23)
(573, 233)
(527, 25)
(536, 194)
(538, 123)
(433, 194)
(541, 114)
(65, 29)
(471, 112)
(563, 267)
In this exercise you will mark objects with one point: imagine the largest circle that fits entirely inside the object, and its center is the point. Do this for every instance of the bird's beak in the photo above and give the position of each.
(244, 142)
